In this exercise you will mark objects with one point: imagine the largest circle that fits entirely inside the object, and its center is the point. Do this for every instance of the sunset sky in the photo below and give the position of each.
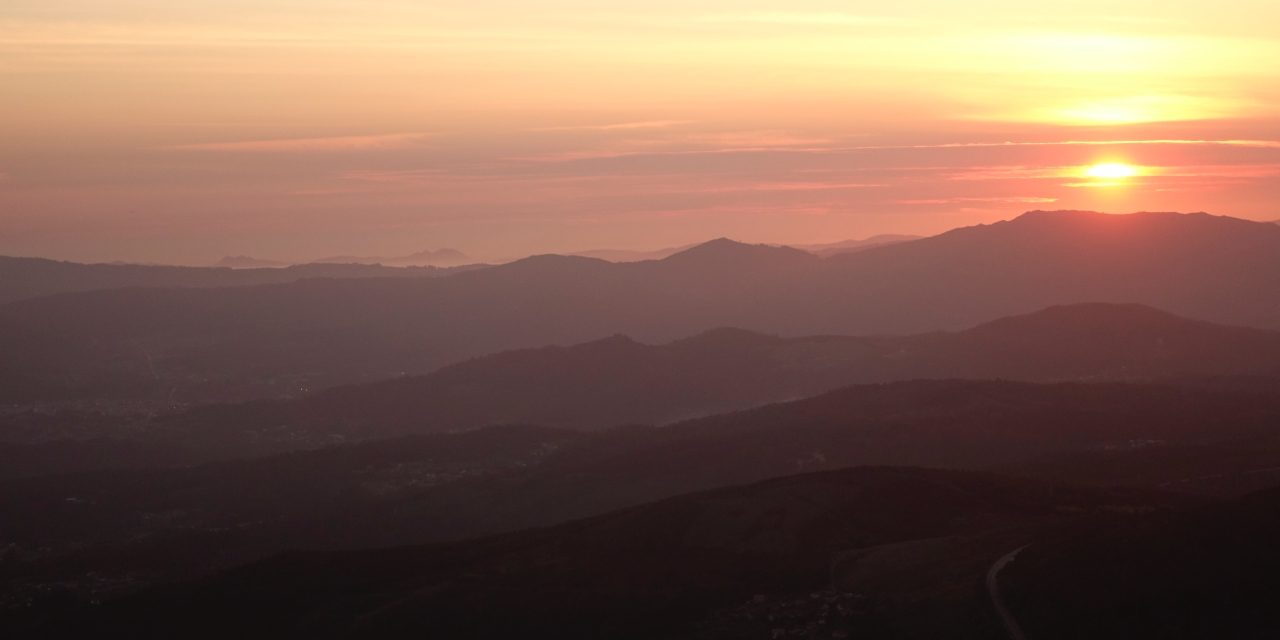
(185, 130)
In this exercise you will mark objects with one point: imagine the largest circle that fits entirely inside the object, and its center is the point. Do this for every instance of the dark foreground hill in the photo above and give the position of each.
(680, 568)
(1202, 573)
(160, 342)
(102, 531)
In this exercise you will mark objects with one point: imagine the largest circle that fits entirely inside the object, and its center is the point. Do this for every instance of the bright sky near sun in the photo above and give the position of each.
(181, 131)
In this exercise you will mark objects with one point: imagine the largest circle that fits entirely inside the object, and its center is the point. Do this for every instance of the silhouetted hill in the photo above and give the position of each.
(723, 253)
(324, 332)
(657, 570)
(1197, 265)
(1109, 341)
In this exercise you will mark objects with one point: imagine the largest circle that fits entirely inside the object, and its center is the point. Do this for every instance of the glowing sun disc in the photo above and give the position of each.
(1111, 171)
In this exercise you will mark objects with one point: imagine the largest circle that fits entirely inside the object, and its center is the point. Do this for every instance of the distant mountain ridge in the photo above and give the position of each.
(631, 255)
(326, 332)
(428, 258)
(829, 249)
(248, 262)
(22, 278)
(824, 249)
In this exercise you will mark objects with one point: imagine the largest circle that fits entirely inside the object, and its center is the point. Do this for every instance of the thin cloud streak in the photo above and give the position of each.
(997, 199)
(803, 19)
(334, 143)
(801, 148)
(1260, 144)
(619, 126)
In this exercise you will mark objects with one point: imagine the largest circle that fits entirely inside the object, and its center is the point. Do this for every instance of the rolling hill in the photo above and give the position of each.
(450, 486)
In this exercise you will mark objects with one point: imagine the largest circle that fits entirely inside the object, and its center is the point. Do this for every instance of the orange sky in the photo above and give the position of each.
(183, 131)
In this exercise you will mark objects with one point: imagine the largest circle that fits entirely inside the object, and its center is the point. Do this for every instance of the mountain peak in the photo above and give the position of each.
(724, 250)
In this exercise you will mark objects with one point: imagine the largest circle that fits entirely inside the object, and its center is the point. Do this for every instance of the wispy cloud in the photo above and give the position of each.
(802, 19)
(1220, 171)
(793, 186)
(294, 145)
(618, 126)
(995, 199)
(815, 209)
(768, 142)
(711, 143)
(1262, 144)
(1018, 172)
(1012, 172)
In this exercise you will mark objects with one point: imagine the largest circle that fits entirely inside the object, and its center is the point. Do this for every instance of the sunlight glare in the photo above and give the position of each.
(1111, 171)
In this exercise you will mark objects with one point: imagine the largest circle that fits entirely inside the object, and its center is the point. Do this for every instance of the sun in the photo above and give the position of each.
(1111, 171)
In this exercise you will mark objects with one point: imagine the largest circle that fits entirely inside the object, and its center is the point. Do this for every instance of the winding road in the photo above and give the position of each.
(993, 589)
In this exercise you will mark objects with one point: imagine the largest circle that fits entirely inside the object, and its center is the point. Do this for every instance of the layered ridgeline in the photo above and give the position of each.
(618, 381)
(271, 340)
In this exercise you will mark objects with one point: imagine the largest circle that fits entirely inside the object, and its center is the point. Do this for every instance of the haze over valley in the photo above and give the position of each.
(639, 320)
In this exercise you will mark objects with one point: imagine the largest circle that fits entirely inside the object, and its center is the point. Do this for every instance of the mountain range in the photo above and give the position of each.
(315, 333)
(620, 381)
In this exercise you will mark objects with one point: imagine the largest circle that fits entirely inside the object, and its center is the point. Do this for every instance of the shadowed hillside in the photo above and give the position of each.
(149, 525)
(1202, 573)
(658, 570)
